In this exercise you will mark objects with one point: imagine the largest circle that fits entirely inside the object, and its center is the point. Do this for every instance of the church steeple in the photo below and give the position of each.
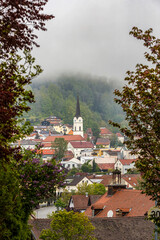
(78, 121)
(78, 113)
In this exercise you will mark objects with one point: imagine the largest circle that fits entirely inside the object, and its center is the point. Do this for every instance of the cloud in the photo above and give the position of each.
(93, 36)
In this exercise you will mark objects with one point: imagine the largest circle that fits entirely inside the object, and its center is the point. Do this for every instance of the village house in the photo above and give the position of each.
(81, 202)
(120, 137)
(105, 133)
(72, 163)
(126, 154)
(124, 165)
(79, 146)
(131, 180)
(120, 202)
(47, 154)
(103, 143)
(72, 184)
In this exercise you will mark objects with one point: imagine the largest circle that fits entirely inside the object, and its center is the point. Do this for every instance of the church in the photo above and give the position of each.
(78, 121)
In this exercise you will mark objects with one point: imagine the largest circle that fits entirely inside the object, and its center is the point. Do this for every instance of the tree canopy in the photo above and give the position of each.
(69, 226)
(18, 20)
(140, 100)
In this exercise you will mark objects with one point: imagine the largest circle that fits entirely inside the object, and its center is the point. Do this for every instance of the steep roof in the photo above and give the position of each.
(76, 180)
(137, 203)
(82, 144)
(105, 166)
(132, 179)
(105, 131)
(80, 201)
(78, 113)
(127, 161)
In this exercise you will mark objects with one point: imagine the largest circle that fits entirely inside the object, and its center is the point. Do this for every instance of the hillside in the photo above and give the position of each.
(59, 98)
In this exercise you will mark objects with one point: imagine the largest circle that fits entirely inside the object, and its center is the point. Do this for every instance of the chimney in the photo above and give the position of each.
(116, 185)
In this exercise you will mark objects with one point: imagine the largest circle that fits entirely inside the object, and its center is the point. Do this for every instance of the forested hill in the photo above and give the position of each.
(58, 98)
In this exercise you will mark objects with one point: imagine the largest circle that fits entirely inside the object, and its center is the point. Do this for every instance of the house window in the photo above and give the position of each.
(75, 128)
(68, 165)
(72, 165)
(79, 128)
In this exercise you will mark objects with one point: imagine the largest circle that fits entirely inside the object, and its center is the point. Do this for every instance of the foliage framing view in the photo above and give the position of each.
(18, 20)
(140, 100)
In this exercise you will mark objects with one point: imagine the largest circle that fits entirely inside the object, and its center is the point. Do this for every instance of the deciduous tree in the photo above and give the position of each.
(69, 226)
(140, 100)
(18, 20)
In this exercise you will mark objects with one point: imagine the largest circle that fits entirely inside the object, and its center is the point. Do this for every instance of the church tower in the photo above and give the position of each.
(78, 121)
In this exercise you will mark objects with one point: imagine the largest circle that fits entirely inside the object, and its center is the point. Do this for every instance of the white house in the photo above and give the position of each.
(72, 184)
(79, 146)
(124, 164)
(72, 163)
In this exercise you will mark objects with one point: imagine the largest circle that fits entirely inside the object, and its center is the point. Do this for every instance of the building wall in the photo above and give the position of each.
(78, 126)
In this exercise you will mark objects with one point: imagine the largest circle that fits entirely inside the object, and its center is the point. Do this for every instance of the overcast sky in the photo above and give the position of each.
(92, 36)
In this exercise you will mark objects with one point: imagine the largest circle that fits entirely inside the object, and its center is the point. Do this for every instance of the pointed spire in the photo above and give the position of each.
(78, 114)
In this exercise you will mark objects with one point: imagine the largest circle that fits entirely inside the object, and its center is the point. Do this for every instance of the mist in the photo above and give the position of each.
(92, 37)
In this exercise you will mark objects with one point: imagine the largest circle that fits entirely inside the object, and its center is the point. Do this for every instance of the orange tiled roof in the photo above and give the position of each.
(104, 131)
(48, 151)
(137, 202)
(80, 201)
(106, 166)
(132, 179)
(68, 138)
(127, 161)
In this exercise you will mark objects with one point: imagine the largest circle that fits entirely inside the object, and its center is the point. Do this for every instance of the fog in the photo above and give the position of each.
(92, 36)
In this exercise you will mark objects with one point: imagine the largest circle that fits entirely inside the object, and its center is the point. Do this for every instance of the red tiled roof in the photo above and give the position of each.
(127, 161)
(103, 141)
(80, 201)
(132, 179)
(68, 138)
(82, 144)
(106, 166)
(48, 151)
(137, 202)
(104, 131)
